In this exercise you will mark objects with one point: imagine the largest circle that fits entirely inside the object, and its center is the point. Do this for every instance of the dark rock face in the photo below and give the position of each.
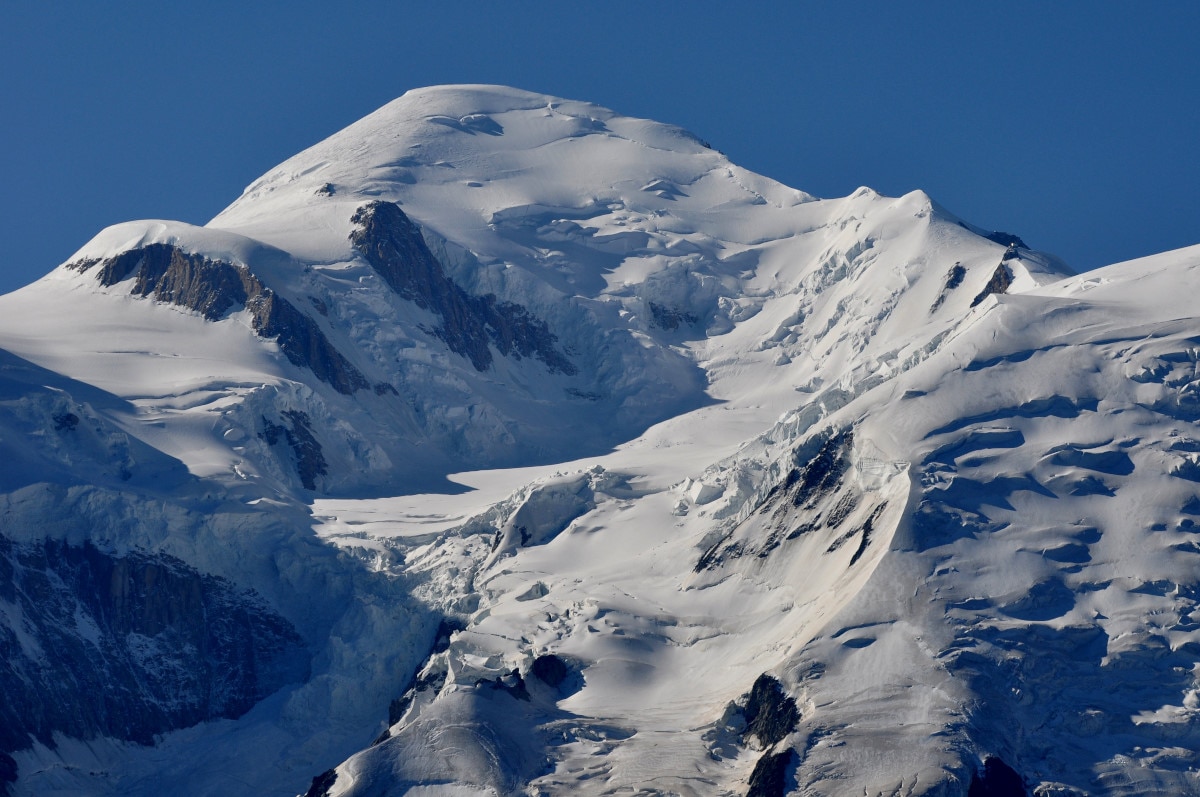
(999, 283)
(302, 341)
(997, 779)
(770, 775)
(954, 278)
(214, 287)
(821, 474)
(310, 462)
(129, 646)
(770, 713)
(867, 527)
(818, 473)
(209, 287)
(447, 628)
(393, 246)
(845, 505)
(206, 286)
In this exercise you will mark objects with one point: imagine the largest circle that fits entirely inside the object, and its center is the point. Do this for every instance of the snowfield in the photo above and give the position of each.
(545, 451)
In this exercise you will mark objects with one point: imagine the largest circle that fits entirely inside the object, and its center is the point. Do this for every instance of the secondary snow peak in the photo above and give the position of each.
(212, 288)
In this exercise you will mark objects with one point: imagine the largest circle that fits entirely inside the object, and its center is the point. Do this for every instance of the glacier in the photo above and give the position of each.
(500, 444)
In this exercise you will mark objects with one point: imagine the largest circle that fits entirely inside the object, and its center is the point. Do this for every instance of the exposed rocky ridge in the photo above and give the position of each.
(997, 236)
(303, 342)
(213, 288)
(393, 246)
(1000, 282)
(129, 646)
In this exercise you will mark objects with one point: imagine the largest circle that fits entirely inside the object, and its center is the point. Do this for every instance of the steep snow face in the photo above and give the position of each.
(781, 494)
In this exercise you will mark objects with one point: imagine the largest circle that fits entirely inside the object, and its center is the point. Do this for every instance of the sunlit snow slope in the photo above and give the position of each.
(541, 450)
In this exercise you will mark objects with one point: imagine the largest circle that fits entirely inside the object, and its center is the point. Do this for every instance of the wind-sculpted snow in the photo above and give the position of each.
(656, 476)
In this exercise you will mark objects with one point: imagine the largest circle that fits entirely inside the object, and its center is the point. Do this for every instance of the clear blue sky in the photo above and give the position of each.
(1073, 124)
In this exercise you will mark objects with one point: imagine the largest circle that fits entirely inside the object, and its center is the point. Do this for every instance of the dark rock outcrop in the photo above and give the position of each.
(822, 474)
(770, 775)
(129, 646)
(303, 342)
(447, 628)
(998, 236)
(431, 681)
(999, 283)
(867, 527)
(842, 509)
(1006, 239)
(818, 473)
(321, 784)
(310, 462)
(954, 278)
(669, 318)
(393, 245)
(65, 421)
(771, 714)
(213, 288)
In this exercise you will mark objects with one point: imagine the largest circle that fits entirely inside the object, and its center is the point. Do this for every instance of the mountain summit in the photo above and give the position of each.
(501, 444)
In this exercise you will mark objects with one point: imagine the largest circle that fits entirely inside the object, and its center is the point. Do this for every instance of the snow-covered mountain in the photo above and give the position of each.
(501, 444)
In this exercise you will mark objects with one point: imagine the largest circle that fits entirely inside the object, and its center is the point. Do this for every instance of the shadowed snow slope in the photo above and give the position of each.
(525, 438)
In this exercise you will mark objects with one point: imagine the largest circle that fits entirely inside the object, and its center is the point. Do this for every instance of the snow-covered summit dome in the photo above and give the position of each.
(459, 158)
